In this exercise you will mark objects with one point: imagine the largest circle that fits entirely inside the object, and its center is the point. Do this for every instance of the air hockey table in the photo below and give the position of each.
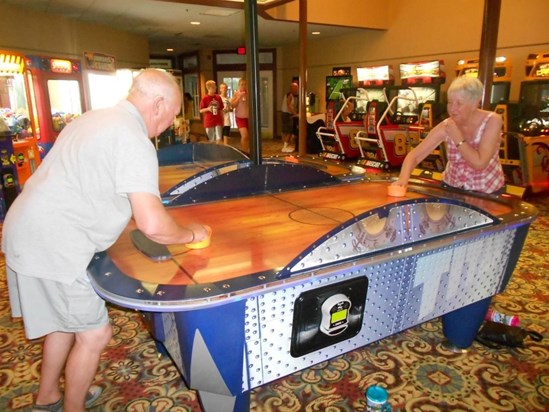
(305, 265)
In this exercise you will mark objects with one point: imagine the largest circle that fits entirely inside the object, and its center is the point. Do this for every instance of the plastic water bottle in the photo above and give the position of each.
(494, 316)
(377, 399)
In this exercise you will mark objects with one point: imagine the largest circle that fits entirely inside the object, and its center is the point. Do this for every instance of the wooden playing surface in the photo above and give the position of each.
(172, 175)
(258, 234)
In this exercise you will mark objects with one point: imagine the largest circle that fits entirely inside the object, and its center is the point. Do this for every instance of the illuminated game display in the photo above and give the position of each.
(424, 78)
(57, 96)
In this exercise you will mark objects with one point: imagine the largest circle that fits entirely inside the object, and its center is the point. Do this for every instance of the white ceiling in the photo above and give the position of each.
(167, 24)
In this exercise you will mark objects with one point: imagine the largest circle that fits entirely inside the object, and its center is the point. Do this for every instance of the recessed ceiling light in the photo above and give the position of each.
(169, 49)
(220, 12)
(315, 33)
(195, 23)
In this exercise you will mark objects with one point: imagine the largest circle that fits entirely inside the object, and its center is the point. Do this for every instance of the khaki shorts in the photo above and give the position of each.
(48, 306)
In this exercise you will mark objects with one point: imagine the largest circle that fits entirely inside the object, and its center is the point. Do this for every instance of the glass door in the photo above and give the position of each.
(190, 85)
(266, 110)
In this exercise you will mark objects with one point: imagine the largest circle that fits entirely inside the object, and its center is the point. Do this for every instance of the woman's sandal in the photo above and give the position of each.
(93, 394)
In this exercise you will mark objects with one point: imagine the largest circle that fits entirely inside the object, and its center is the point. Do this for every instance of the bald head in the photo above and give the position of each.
(157, 96)
(154, 82)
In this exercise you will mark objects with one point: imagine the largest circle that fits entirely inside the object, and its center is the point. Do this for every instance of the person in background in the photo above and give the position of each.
(187, 115)
(347, 110)
(289, 114)
(472, 137)
(77, 203)
(188, 106)
(239, 103)
(227, 109)
(211, 106)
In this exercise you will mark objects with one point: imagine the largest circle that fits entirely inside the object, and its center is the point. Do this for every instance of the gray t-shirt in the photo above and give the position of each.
(76, 203)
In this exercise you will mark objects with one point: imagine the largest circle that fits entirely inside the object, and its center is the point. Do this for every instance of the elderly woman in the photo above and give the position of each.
(472, 138)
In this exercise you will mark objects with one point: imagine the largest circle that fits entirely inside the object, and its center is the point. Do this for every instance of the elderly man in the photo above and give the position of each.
(102, 170)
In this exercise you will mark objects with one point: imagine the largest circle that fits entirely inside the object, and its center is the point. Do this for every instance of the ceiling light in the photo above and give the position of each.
(169, 49)
(315, 33)
(219, 12)
(195, 23)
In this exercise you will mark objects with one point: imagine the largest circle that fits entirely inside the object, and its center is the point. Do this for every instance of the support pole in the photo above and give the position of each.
(488, 46)
(252, 78)
(302, 77)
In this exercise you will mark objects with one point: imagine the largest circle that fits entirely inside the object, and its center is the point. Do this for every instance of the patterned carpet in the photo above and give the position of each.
(419, 373)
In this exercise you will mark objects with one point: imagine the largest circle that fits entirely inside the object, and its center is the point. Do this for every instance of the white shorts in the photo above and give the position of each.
(48, 306)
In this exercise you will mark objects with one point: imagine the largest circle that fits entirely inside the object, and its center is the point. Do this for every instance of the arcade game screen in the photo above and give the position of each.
(535, 95)
(500, 92)
(375, 94)
(335, 84)
(422, 94)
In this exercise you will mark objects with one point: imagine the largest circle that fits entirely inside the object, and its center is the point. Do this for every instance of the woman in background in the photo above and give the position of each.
(239, 103)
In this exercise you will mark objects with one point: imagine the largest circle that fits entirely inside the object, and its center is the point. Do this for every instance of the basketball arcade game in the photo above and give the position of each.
(337, 264)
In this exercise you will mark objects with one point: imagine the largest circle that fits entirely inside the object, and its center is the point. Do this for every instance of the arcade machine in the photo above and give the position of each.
(19, 152)
(372, 83)
(525, 157)
(56, 96)
(373, 80)
(334, 87)
(424, 80)
(501, 83)
(103, 88)
(337, 137)
(410, 114)
(387, 138)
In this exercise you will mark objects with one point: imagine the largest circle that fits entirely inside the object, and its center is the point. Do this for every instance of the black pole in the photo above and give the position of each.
(488, 46)
(302, 135)
(252, 78)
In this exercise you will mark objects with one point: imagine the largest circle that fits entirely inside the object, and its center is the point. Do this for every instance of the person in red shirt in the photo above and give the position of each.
(211, 106)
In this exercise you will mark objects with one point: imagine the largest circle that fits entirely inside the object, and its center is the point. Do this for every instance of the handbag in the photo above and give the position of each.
(497, 335)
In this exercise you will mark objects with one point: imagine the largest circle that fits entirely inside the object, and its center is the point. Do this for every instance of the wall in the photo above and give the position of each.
(425, 30)
(44, 34)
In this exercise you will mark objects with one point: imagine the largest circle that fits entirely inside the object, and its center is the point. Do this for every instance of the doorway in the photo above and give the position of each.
(266, 109)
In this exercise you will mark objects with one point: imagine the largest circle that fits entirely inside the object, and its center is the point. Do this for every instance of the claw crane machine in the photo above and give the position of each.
(56, 96)
(19, 155)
